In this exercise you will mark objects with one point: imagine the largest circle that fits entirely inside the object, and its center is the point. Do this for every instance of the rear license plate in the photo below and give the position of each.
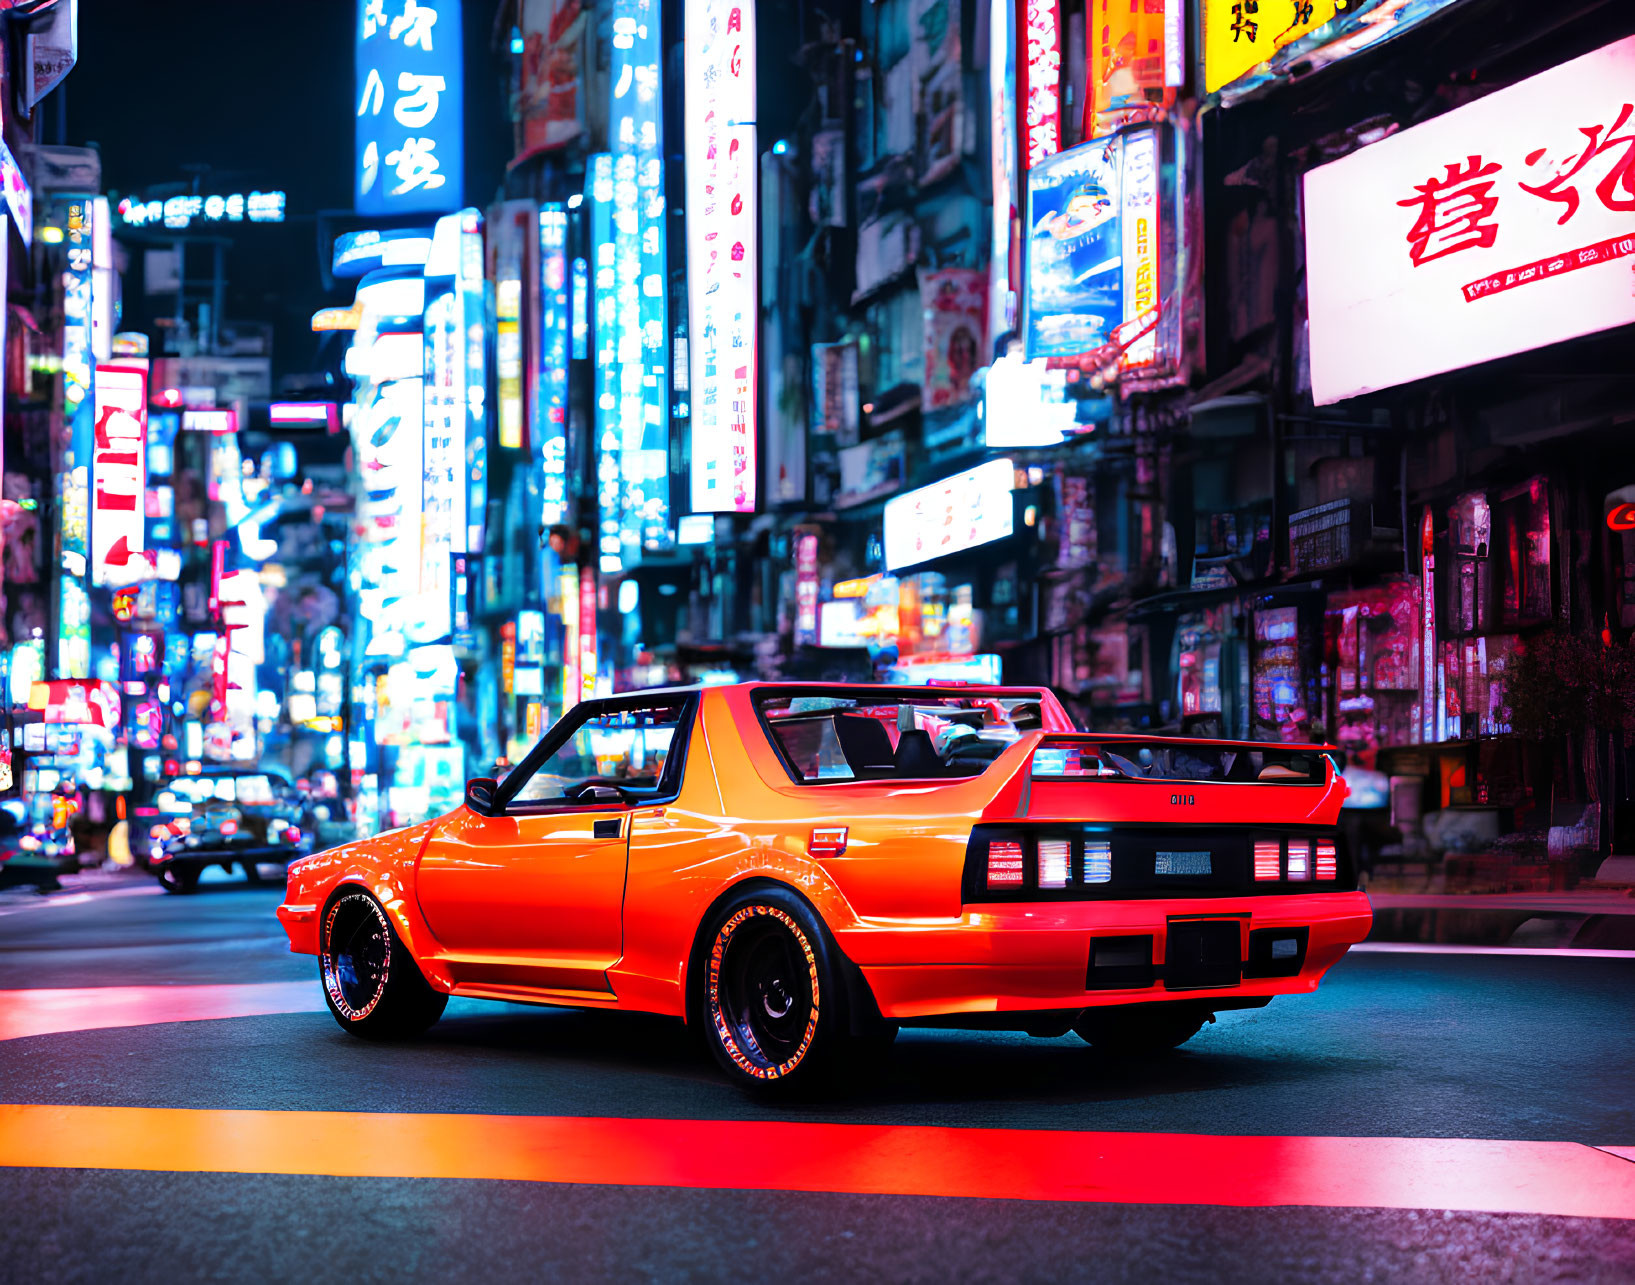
(1203, 952)
(1181, 863)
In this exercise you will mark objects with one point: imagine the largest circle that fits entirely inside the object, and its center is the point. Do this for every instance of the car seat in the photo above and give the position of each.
(916, 756)
(867, 746)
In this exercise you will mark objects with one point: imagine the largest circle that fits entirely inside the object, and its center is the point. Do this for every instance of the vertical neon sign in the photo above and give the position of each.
(1002, 105)
(1430, 693)
(79, 406)
(1139, 184)
(470, 285)
(609, 506)
(409, 128)
(443, 399)
(636, 126)
(722, 252)
(551, 382)
(1038, 78)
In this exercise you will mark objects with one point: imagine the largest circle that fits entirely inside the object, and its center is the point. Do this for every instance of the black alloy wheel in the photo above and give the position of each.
(371, 983)
(178, 879)
(768, 1005)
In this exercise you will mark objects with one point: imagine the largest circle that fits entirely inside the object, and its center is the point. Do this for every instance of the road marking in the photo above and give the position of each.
(1548, 1178)
(96, 1008)
(10, 905)
(1444, 948)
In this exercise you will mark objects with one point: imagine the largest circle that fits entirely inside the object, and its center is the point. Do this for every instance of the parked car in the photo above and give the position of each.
(226, 816)
(799, 869)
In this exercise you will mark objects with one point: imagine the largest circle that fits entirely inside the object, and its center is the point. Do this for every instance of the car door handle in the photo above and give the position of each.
(606, 829)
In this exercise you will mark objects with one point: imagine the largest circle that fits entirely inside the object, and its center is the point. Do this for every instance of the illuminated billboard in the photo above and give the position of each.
(1498, 227)
(1247, 46)
(722, 252)
(119, 476)
(1093, 256)
(950, 516)
(409, 104)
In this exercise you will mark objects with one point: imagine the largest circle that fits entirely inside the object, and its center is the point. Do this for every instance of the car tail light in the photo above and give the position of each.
(1299, 859)
(825, 841)
(1098, 861)
(1055, 862)
(1268, 858)
(229, 827)
(1004, 864)
(294, 834)
(1328, 866)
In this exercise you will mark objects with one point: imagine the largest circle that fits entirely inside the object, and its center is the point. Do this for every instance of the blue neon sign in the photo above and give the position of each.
(409, 103)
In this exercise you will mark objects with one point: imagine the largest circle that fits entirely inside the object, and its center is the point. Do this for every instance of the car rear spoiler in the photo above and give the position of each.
(1121, 777)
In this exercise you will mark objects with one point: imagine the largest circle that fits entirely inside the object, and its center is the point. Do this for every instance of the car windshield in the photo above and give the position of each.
(894, 736)
(627, 749)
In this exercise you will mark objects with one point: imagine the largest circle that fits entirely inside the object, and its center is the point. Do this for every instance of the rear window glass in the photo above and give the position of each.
(886, 736)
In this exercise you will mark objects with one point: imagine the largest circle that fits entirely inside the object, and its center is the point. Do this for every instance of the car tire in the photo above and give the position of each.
(179, 880)
(767, 998)
(1140, 1030)
(372, 985)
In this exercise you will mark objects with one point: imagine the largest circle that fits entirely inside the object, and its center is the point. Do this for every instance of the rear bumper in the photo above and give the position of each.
(1018, 957)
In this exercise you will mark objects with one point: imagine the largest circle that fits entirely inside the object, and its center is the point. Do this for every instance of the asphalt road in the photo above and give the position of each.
(1408, 1046)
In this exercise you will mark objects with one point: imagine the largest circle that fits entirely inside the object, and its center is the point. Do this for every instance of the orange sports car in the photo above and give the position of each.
(799, 869)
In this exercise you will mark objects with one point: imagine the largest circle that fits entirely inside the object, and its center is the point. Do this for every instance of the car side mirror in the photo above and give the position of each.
(480, 795)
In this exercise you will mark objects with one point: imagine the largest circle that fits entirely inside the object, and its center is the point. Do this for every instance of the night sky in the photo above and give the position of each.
(261, 92)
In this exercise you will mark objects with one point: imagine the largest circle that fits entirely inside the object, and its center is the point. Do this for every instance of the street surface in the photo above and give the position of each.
(194, 1112)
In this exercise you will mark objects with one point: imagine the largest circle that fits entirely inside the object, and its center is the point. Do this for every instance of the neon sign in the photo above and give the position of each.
(74, 604)
(119, 477)
(551, 380)
(409, 116)
(722, 252)
(177, 212)
(609, 497)
(636, 126)
(1040, 76)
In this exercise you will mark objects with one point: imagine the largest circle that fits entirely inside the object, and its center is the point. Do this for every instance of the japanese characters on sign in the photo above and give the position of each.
(1038, 80)
(1140, 219)
(722, 252)
(551, 379)
(409, 107)
(636, 126)
(1501, 226)
(1248, 43)
(950, 516)
(119, 476)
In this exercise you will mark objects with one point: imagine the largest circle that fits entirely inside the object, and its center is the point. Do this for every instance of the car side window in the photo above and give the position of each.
(626, 748)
